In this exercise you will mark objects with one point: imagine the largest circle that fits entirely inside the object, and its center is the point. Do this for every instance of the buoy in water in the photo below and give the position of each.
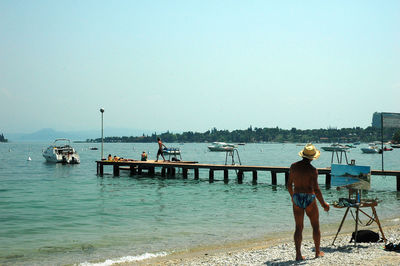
(29, 158)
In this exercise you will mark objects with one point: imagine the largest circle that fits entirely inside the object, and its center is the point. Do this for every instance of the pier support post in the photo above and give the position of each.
(163, 172)
(196, 173)
(211, 176)
(116, 170)
(139, 170)
(101, 166)
(173, 171)
(169, 171)
(254, 177)
(152, 170)
(240, 177)
(132, 170)
(273, 178)
(185, 173)
(328, 181)
(226, 176)
(398, 182)
(286, 178)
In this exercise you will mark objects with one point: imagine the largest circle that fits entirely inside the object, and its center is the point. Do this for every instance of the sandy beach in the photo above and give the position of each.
(280, 250)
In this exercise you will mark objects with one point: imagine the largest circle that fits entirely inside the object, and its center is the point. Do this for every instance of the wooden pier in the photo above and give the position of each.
(168, 168)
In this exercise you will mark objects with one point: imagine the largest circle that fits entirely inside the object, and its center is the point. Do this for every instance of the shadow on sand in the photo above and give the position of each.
(346, 249)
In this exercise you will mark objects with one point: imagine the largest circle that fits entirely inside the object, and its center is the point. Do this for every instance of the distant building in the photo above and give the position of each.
(376, 120)
(389, 120)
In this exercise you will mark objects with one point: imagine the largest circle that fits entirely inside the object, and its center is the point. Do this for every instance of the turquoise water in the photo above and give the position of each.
(66, 214)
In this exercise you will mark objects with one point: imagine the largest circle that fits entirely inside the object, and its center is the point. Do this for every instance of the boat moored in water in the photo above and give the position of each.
(61, 152)
(173, 151)
(221, 146)
(336, 147)
(371, 149)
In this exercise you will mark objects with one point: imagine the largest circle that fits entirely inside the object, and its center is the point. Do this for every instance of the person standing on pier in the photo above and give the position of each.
(303, 188)
(160, 149)
(144, 156)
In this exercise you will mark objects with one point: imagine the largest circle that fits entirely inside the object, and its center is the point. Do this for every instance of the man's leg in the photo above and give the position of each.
(298, 234)
(313, 213)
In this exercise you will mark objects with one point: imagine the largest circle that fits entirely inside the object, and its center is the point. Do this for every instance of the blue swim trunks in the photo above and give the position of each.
(303, 199)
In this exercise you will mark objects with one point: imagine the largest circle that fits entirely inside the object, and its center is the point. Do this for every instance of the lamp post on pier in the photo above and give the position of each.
(102, 140)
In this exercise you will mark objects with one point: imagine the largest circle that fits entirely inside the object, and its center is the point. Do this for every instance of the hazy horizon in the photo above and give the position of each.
(180, 66)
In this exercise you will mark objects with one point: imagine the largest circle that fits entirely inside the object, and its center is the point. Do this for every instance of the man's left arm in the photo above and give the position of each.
(290, 182)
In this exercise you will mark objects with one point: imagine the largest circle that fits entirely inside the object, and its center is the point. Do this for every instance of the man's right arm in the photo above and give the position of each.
(290, 182)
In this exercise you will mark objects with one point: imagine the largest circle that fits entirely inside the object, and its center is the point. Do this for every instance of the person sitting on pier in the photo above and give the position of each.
(144, 156)
(304, 177)
(160, 149)
(109, 157)
(116, 158)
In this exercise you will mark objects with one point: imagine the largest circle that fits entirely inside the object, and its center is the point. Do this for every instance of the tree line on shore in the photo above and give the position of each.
(251, 135)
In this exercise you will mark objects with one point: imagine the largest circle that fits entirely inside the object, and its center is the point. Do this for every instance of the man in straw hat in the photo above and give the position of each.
(304, 177)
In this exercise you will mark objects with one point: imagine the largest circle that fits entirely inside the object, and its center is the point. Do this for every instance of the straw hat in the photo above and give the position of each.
(310, 152)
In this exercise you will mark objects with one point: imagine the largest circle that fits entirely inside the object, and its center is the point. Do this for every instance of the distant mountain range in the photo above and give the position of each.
(49, 134)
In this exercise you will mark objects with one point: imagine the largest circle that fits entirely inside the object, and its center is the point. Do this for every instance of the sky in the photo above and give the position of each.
(196, 65)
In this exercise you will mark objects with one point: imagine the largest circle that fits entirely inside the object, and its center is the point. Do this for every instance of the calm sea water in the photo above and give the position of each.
(66, 214)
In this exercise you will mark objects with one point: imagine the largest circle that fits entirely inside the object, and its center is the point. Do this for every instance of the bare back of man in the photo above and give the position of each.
(303, 188)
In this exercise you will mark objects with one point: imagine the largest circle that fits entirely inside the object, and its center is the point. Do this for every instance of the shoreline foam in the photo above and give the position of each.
(126, 259)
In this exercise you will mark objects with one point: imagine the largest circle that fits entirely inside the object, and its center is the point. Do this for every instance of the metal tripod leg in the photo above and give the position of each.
(356, 232)
(378, 222)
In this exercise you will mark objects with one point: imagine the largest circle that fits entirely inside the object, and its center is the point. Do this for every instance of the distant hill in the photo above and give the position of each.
(2, 138)
(49, 134)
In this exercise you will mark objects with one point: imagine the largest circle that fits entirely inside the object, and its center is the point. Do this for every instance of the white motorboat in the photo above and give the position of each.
(336, 147)
(371, 149)
(61, 152)
(173, 151)
(221, 146)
